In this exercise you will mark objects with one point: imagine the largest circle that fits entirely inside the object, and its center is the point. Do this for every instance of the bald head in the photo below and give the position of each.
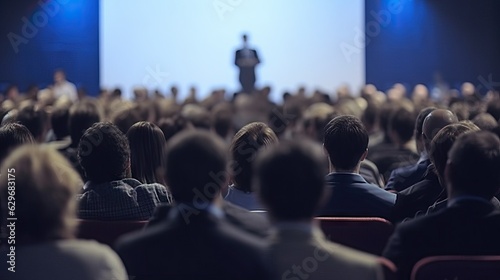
(436, 120)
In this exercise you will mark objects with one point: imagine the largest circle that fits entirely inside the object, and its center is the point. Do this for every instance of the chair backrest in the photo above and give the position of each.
(457, 267)
(105, 231)
(389, 269)
(365, 234)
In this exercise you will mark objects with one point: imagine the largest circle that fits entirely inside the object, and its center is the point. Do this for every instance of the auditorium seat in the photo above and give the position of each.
(389, 268)
(368, 234)
(457, 267)
(106, 232)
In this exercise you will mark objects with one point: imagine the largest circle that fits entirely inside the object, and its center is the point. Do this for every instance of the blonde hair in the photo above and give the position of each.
(45, 189)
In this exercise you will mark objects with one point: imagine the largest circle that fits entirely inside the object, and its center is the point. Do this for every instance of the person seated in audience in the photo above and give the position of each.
(419, 197)
(195, 241)
(485, 121)
(45, 244)
(470, 225)
(110, 194)
(59, 118)
(222, 121)
(346, 142)
(82, 115)
(35, 119)
(13, 135)
(243, 149)
(403, 177)
(125, 116)
(290, 182)
(147, 145)
(402, 150)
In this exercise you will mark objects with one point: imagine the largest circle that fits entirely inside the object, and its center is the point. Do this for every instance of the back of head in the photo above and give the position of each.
(315, 119)
(402, 125)
(125, 117)
(442, 142)
(104, 153)
(82, 115)
(198, 116)
(474, 161)
(173, 125)
(419, 123)
(195, 167)
(493, 108)
(34, 119)
(222, 119)
(147, 147)
(11, 136)
(290, 180)
(45, 187)
(436, 120)
(346, 140)
(59, 121)
(485, 121)
(244, 147)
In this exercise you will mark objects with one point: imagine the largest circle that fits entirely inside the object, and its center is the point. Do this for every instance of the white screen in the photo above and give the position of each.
(160, 43)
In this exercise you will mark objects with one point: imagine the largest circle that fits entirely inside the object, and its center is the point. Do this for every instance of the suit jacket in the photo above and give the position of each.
(388, 157)
(247, 73)
(467, 227)
(418, 197)
(318, 258)
(253, 223)
(352, 196)
(193, 246)
(404, 177)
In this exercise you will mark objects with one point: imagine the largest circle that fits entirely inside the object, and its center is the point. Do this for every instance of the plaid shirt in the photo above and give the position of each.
(125, 199)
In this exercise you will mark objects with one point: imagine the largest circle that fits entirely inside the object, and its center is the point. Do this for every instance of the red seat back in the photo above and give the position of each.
(365, 234)
(457, 267)
(107, 232)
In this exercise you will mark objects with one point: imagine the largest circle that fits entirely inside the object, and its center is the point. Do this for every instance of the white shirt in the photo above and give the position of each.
(65, 89)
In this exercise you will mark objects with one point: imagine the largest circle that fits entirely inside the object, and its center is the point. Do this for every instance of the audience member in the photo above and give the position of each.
(425, 193)
(290, 182)
(195, 241)
(403, 177)
(35, 119)
(45, 248)
(243, 150)
(110, 194)
(346, 142)
(402, 151)
(147, 146)
(470, 225)
(485, 121)
(13, 135)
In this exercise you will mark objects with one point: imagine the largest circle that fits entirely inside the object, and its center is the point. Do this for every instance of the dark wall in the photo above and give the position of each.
(460, 39)
(35, 40)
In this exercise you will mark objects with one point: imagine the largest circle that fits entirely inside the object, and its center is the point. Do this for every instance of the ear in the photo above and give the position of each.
(448, 173)
(363, 156)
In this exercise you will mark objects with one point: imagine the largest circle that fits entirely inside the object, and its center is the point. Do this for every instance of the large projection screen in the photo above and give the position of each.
(160, 43)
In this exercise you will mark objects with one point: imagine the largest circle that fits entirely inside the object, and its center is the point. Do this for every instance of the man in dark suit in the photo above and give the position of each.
(404, 177)
(290, 181)
(470, 225)
(195, 241)
(246, 59)
(346, 141)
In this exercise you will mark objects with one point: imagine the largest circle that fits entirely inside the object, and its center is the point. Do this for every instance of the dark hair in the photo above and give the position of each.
(195, 166)
(419, 122)
(125, 118)
(147, 147)
(104, 153)
(59, 120)
(493, 108)
(11, 136)
(82, 115)
(485, 121)
(442, 142)
(243, 149)
(474, 164)
(222, 119)
(402, 122)
(346, 139)
(173, 125)
(371, 114)
(288, 175)
(34, 119)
